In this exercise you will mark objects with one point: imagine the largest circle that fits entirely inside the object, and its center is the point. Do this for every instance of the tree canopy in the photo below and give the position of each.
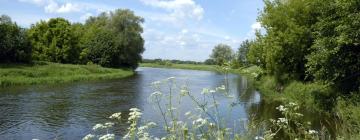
(310, 40)
(110, 39)
(14, 44)
(221, 54)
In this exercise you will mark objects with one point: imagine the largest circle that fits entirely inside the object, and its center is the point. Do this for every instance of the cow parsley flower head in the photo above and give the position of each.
(109, 124)
(99, 126)
(107, 137)
(281, 108)
(312, 132)
(205, 91)
(88, 137)
(134, 114)
(116, 116)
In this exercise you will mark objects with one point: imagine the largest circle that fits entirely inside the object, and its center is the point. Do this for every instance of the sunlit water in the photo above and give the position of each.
(68, 111)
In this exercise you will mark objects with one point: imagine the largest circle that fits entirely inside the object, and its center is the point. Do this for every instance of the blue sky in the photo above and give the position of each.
(173, 29)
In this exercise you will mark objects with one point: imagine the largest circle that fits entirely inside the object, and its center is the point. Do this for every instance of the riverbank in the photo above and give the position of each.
(54, 73)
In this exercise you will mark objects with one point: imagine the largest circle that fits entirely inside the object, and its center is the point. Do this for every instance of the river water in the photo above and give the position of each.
(68, 111)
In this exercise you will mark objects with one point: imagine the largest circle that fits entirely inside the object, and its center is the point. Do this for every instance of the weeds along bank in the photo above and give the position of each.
(53, 73)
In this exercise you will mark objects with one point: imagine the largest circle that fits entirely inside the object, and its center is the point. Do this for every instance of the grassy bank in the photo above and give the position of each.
(52, 73)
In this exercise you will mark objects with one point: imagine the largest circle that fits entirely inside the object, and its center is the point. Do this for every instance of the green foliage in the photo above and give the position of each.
(221, 54)
(114, 39)
(243, 52)
(209, 62)
(54, 41)
(310, 40)
(14, 44)
(256, 54)
(288, 36)
(335, 55)
(348, 109)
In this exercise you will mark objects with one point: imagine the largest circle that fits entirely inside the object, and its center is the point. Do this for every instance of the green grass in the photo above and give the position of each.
(182, 66)
(53, 73)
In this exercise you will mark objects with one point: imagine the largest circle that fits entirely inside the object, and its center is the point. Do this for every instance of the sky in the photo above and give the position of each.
(173, 29)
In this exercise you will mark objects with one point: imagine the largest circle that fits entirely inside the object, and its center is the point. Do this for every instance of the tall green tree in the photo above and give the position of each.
(221, 54)
(54, 41)
(288, 37)
(114, 39)
(14, 44)
(335, 56)
(243, 52)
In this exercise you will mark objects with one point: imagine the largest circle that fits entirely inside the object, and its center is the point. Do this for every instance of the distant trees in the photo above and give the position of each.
(111, 40)
(222, 53)
(14, 44)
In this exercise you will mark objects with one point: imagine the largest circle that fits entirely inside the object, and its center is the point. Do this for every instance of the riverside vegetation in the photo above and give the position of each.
(111, 39)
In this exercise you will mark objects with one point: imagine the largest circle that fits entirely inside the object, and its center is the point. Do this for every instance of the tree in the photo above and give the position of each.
(221, 54)
(114, 39)
(14, 44)
(54, 41)
(288, 38)
(243, 52)
(335, 56)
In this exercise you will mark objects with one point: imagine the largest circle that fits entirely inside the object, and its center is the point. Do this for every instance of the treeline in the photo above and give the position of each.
(110, 39)
(304, 40)
(169, 62)
(310, 40)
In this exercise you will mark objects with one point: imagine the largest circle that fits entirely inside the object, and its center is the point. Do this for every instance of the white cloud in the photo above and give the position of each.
(256, 26)
(54, 6)
(85, 16)
(177, 9)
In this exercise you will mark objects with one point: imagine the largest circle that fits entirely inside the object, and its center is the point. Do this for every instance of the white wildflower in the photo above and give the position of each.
(134, 114)
(259, 138)
(151, 124)
(222, 87)
(184, 92)
(282, 120)
(109, 124)
(312, 132)
(116, 116)
(199, 122)
(205, 91)
(156, 83)
(171, 78)
(188, 113)
(88, 137)
(156, 93)
(99, 126)
(212, 91)
(107, 137)
(292, 104)
(281, 108)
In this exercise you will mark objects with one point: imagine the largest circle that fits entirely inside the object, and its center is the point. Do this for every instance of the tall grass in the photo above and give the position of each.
(52, 73)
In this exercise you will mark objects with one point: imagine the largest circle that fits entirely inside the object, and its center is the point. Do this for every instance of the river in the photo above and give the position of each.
(68, 111)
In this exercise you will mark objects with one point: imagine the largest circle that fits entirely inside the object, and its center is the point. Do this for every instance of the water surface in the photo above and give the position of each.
(68, 111)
